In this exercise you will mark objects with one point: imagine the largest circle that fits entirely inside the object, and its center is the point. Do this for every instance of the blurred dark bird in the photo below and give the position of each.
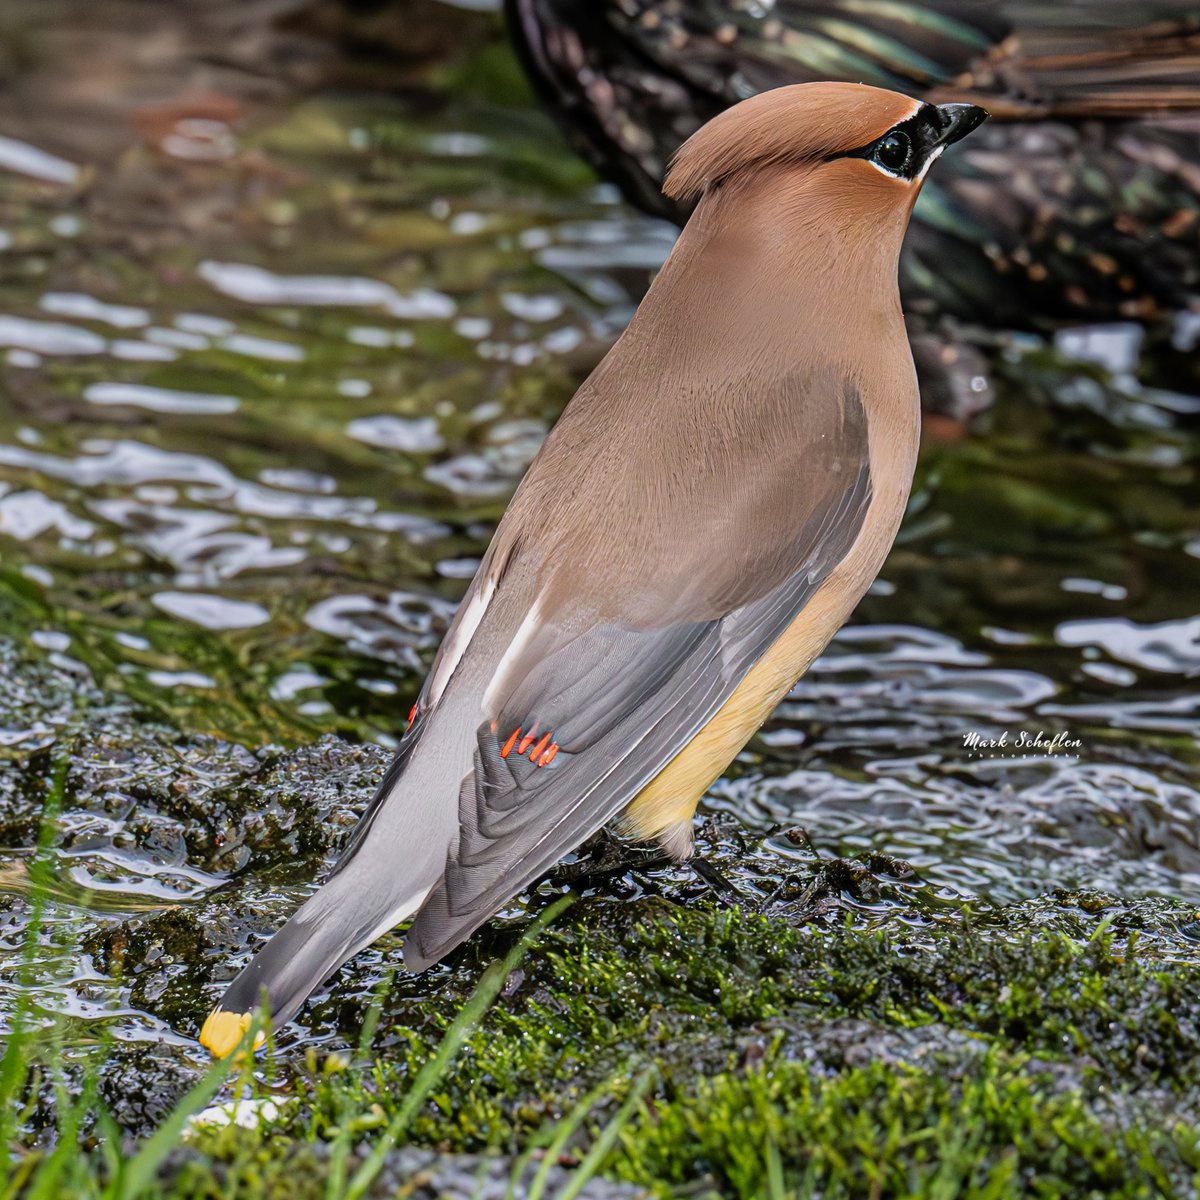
(707, 512)
(1080, 200)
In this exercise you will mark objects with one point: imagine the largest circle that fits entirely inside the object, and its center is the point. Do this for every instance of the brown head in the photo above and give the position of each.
(848, 135)
(804, 194)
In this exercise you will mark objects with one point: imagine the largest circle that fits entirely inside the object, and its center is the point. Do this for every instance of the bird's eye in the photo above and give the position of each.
(894, 151)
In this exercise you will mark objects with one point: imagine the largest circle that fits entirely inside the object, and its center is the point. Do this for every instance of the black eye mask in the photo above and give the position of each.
(906, 148)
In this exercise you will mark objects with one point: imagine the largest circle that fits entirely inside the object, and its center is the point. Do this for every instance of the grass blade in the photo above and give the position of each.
(460, 1029)
(607, 1139)
(559, 1137)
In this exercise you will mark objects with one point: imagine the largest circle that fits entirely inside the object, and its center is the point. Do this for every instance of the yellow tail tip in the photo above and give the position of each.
(222, 1031)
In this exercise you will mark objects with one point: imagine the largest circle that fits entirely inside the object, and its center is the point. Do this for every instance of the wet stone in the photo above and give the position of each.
(234, 810)
(141, 1084)
(418, 1174)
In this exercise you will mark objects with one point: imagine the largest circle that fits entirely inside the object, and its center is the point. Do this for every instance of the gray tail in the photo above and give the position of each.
(394, 859)
(342, 918)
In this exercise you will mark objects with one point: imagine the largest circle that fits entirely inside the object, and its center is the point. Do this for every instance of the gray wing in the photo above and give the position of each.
(619, 703)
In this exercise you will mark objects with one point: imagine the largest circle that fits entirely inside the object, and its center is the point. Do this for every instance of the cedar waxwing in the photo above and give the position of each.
(1075, 204)
(704, 516)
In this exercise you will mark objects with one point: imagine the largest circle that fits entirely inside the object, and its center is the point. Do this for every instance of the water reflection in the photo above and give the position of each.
(257, 286)
(890, 769)
(1170, 646)
(158, 399)
(29, 160)
(266, 422)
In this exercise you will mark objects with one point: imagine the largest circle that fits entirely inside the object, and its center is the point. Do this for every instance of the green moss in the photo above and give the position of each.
(1002, 1130)
(968, 1060)
(786, 1053)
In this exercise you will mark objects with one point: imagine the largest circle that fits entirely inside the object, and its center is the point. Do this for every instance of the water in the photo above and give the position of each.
(265, 392)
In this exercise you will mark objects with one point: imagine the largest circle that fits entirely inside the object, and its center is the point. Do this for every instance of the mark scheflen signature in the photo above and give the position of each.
(1020, 743)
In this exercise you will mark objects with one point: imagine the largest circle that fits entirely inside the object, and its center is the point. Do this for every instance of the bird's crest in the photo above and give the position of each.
(802, 123)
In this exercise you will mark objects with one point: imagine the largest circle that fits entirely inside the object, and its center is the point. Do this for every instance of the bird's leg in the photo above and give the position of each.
(606, 855)
(726, 893)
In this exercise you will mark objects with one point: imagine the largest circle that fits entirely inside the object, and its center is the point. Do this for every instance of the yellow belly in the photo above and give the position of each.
(664, 808)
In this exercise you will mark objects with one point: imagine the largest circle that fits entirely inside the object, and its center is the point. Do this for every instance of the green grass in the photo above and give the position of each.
(230, 1161)
(700, 1052)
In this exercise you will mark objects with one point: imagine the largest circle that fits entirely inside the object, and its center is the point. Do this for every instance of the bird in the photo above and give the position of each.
(709, 508)
(1079, 202)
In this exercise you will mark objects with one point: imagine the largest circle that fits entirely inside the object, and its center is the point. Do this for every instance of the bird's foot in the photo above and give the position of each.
(727, 895)
(606, 855)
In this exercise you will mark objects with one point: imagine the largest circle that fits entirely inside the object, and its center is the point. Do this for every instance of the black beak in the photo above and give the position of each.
(957, 120)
